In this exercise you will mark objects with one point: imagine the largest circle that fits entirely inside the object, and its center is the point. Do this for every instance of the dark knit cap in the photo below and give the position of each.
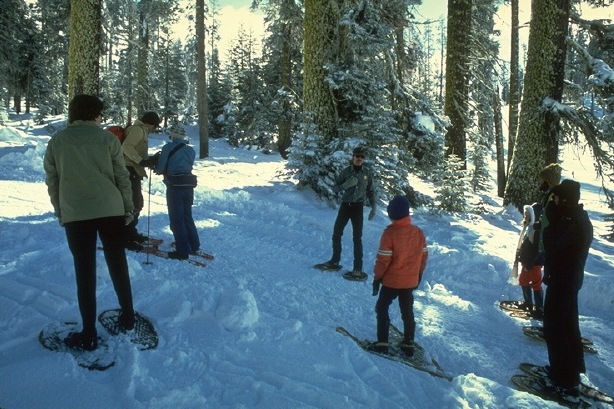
(551, 174)
(151, 118)
(359, 150)
(568, 192)
(398, 208)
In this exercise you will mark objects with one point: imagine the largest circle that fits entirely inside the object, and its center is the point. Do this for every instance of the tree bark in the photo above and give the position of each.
(84, 47)
(202, 103)
(321, 36)
(514, 97)
(457, 74)
(538, 131)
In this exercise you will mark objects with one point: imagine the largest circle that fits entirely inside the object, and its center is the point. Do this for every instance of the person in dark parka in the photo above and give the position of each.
(567, 240)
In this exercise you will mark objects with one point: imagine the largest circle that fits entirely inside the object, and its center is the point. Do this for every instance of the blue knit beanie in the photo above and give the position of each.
(398, 208)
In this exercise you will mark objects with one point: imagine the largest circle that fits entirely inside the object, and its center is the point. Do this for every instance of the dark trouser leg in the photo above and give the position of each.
(193, 239)
(81, 237)
(111, 233)
(527, 294)
(406, 304)
(562, 333)
(343, 217)
(175, 200)
(137, 200)
(538, 295)
(386, 296)
(357, 218)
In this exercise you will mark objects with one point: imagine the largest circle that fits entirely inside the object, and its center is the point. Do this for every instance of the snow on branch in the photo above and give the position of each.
(581, 120)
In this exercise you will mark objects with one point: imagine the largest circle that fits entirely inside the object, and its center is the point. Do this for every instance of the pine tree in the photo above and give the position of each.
(451, 185)
(49, 91)
(484, 56)
(245, 72)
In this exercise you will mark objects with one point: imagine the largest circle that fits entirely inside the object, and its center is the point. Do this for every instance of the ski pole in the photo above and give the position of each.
(148, 216)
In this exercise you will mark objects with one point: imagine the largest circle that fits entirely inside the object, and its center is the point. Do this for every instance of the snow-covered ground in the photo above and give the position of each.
(256, 327)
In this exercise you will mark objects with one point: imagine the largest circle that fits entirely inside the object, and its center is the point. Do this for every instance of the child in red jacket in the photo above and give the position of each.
(401, 259)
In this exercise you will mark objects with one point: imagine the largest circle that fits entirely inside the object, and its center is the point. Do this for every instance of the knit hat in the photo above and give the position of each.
(177, 131)
(398, 208)
(358, 151)
(551, 174)
(568, 192)
(151, 118)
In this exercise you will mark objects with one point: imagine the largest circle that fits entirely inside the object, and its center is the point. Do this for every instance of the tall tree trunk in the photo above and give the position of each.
(84, 47)
(142, 70)
(514, 97)
(321, 32)
(501, 180)
(201, 86)
(285, 73)
(538, 131)
(457, 77)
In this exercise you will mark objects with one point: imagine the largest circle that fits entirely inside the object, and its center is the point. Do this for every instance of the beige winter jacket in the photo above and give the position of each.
(135, 146)
(86, 174)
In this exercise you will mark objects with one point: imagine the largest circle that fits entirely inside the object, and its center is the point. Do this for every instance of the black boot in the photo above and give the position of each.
(83, 341)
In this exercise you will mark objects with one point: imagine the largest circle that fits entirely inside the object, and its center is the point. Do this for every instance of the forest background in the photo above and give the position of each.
(423, 95)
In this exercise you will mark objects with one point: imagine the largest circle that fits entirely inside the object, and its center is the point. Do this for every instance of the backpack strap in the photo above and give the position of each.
(171, 153)
(174, 150)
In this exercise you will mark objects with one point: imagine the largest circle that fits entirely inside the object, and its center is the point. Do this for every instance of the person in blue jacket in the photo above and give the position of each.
(175, 164)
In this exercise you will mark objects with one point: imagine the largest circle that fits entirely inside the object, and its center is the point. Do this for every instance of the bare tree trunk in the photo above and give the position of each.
(321, 34)
(501, 174)
(142, 69)
(201, 91)
(285, 73)
(514, 97)
(84, 47)
(538, 131)
(457, 77)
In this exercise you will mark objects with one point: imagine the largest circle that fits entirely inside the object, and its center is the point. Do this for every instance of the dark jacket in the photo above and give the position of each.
(567, 240)
(363, 190)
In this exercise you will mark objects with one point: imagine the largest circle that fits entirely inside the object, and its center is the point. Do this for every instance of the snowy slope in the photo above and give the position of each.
(256, 327)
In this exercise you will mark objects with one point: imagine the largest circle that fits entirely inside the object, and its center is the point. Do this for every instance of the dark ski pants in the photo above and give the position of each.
(82, 237)
(562, 333)
(137, 200)
(406, 305)
(347, 212)
(179, 200)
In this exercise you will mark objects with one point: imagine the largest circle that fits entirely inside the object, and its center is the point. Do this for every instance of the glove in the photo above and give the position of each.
(376, 284)
(352, 181)
(372, 213)
(151, 161)
(128, 218)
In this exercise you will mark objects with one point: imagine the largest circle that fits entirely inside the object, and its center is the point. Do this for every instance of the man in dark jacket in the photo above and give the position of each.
(567, 240)
(356, 183)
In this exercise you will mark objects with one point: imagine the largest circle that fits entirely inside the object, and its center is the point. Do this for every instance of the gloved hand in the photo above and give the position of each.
(128, 218)
(151, 161)
(372, 213)
(376, 285)
(352, 181)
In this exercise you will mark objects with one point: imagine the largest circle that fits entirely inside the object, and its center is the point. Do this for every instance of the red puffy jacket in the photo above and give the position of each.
(402, 255)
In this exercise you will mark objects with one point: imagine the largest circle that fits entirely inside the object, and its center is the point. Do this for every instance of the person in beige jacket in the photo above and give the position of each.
(89, 188)
(135, 148)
